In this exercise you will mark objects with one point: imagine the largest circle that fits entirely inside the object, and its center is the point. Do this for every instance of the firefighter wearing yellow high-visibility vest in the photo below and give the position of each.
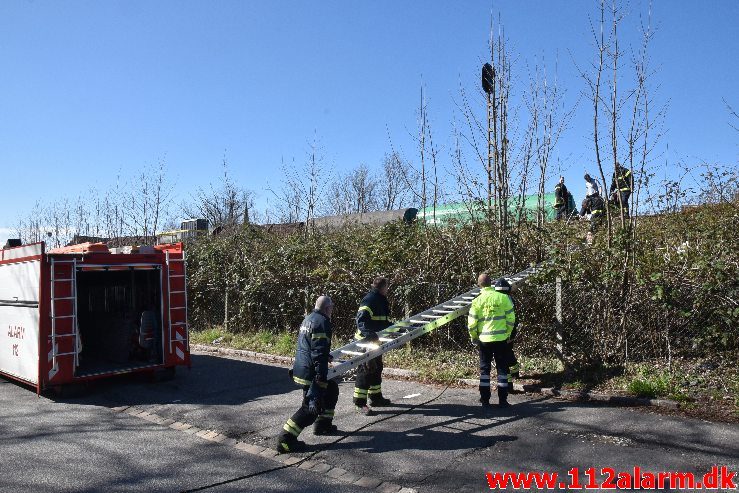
(373, 316)
(490, 323)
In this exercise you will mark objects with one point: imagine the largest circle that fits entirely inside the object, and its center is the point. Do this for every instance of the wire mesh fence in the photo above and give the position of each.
(582, 335)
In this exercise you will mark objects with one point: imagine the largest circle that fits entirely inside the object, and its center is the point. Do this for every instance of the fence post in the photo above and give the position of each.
(225, 312)
(559, 346)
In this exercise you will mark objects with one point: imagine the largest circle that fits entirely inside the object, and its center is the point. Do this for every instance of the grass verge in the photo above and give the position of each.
(693, 382)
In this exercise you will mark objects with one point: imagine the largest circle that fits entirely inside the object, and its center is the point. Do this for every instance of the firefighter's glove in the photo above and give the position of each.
(315, 397)
(372, 337)
(315, 406)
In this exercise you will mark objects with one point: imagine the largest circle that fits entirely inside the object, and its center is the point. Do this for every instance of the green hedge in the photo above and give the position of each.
(677, 293)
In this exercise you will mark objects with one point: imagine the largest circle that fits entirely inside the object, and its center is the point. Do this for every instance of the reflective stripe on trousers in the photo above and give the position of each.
(292, 428)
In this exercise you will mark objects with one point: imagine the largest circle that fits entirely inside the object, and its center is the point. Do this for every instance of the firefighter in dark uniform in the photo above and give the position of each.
(596, 207)
(373, 316)
(622, 184)
(561, 199)
(309, 371)
(490, 322)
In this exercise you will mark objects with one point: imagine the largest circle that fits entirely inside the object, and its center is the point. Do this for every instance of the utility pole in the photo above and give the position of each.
(488, 85)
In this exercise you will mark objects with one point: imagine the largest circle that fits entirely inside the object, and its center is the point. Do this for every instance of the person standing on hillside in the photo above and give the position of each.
(373, 316)
(591, 186)
(596, 207)
(561, 199)
(490, 322)
(310, 370)
(621, 186)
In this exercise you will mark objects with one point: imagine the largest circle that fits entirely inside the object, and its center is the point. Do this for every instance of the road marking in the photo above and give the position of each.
(411, 396)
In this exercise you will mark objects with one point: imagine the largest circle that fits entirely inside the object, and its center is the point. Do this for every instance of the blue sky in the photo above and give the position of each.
(91, 88)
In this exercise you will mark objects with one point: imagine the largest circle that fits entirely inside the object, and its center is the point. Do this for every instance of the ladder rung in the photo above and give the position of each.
(62, 316)
(355, 353)
(62, 299)
(179, 323)
(175, 292)
(63, 335)
(468, 297)
(177, 307)
(177, 275)
(419, 321)
(386, 339)
(443, 311)
(62, 354)
(62, 280)
(367, 345)
(432, 316)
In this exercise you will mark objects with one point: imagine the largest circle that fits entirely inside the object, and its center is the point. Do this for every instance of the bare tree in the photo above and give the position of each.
(354, 192)
(224, 204)
(148, 196)
(300, 196)
(393, 183)
(733, 113)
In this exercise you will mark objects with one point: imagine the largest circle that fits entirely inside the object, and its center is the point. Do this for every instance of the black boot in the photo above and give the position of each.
(503, 397)
(324, 427)
(379, 401)
(287, 443)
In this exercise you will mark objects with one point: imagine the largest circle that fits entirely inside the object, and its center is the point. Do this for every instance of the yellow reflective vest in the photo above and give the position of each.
(491, 316)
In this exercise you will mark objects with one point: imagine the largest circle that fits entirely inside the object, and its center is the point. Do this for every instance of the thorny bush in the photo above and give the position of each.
(667, 289)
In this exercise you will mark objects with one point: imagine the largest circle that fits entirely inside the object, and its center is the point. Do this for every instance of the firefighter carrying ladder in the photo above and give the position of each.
(400, 333)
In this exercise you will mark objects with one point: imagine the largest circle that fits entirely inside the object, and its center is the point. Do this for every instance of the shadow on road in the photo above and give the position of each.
(211, 381)
(465, 427)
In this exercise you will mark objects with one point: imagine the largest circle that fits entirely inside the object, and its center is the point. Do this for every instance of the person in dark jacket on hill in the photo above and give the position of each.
(309, 371)
(373, 316)
(561, 199)
(596, 207)
(622, 185)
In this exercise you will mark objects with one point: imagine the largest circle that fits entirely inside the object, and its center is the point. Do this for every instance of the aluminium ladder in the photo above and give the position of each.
(69, 278)
(400, 333)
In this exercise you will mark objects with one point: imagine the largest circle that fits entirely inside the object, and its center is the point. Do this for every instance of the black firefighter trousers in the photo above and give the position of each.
(304, 418)
(498, 351)
(368, 383)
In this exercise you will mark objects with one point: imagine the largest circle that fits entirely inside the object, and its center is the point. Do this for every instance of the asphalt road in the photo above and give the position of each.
(444, 445)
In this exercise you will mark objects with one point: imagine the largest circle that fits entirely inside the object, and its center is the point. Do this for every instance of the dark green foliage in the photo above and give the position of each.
(677, 294)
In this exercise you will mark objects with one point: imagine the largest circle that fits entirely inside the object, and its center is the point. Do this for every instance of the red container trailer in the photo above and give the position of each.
(79, 313)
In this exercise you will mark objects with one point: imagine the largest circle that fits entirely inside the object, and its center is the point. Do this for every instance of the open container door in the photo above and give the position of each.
(20, 282)
(119, 314)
